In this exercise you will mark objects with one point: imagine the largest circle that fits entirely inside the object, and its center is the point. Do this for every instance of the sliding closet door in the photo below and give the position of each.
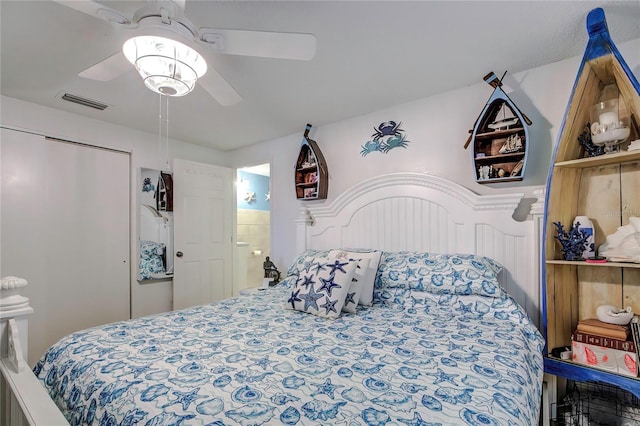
(65, 228)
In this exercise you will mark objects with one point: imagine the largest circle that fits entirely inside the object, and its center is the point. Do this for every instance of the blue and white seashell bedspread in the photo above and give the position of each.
(427, 360)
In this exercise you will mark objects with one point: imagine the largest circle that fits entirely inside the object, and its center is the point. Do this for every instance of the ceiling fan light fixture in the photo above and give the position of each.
(167, 67)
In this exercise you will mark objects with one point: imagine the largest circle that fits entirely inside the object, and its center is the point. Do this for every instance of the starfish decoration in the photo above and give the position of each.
(311, 298)
(308, 281)
(320, 267)
(263, 362)
(456, 276)
(410, 272)
(308, 265)
(326, 388)
(328, 285)
(338, 266)
(487, 403)
(349, 299)
(465, 308)
(441, 376)
(250, 197)
(298, 279)
(366, 355)
(329, 305)
(294, 298)
(267, 196)
(185, 398)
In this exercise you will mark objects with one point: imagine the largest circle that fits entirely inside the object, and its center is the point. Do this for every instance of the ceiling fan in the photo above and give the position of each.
(166, 19)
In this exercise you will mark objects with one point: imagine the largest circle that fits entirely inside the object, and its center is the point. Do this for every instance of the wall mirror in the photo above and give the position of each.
(155, 238)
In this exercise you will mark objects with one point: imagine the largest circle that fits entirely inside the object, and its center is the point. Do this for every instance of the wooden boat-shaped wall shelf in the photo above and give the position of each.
(500, 138)
(603, 187)
(311, 176)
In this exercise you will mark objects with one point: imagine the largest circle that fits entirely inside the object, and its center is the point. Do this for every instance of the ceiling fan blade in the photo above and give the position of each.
(95, 9)
(263, 44)
(219, 88)
(112, 67)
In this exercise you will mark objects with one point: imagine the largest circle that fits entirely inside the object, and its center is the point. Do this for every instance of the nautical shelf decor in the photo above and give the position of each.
(311, 176)
(598, 187)
(500, 138)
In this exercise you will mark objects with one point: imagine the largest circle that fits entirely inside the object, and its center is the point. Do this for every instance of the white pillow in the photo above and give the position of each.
(353, 295)
(366, 295)
(322, 291)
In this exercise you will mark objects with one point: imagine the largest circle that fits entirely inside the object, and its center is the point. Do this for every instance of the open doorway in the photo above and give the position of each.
(253, 224)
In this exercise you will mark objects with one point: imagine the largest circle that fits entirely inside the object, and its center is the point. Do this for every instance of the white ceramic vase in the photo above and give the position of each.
(587, 226)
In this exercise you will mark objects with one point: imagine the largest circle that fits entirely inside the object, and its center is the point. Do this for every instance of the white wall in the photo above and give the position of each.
(437, 128)
(16, 114)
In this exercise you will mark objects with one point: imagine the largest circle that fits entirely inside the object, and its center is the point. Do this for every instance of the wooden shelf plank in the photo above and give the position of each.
(597, 265)
(512, 156)
(602, 160)
(504, 179)
(499, 133)
(311, 167)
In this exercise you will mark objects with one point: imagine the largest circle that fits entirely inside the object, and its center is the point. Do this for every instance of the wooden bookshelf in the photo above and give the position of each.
(604, 188)
(311, 176)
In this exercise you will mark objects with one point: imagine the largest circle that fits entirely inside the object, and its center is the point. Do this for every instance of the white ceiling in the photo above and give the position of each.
(370, 55)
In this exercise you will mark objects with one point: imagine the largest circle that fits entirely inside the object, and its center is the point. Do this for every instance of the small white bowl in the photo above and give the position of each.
(613, 315)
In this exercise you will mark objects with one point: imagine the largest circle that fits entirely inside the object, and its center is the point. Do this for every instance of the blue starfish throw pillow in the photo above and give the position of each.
(323, 288)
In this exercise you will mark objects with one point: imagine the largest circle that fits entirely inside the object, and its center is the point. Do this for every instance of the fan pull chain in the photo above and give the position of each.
(163, 151)
(160, 127)
(167, 138)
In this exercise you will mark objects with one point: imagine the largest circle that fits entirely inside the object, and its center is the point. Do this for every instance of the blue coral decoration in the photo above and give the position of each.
(573, 242)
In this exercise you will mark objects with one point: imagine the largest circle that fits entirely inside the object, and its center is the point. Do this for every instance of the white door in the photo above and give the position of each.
(203, 219)
(65, 228)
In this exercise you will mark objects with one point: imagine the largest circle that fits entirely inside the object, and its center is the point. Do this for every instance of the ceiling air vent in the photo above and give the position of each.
(84, 101)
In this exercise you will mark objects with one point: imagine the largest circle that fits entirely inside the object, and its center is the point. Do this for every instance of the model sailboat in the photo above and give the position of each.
(504, 119)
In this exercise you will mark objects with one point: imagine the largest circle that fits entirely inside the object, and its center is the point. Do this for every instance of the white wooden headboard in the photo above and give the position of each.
(421, 212)
(401, 211)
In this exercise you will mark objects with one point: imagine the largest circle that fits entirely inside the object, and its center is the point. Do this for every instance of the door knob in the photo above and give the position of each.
(179, 254)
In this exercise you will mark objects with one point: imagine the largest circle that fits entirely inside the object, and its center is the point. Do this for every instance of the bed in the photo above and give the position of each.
(444, 331)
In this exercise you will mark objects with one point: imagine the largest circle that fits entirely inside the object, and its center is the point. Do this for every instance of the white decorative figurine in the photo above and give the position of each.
(613, 315)
(624, 244)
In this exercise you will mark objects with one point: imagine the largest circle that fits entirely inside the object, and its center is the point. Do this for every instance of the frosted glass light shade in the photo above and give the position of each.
(166, 66)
